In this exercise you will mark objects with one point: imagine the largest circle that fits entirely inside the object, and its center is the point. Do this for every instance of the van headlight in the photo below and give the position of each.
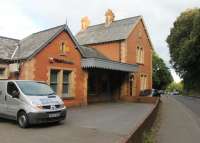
(38, 107)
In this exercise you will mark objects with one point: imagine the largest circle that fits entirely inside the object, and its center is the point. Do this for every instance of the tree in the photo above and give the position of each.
(184, 47)
(175, 87)
(161, 74)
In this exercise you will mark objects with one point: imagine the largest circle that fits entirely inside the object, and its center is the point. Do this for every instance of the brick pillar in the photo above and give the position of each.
(85, 87)
(124, 87)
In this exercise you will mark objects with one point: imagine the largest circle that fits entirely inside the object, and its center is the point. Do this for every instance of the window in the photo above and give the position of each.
(123, 52)
(140, 55)
(60, 82)
(12, 89)
(54, 80)
(65, 90)
(2, 71)
(64, 48)
(131, 84)
(140, 33)
(143, 82)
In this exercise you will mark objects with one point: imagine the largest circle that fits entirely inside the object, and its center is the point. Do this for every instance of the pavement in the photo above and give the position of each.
(97, 123)
(178, 124)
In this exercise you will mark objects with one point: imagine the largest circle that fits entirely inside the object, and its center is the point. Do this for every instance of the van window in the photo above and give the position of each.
(32, 88)
(11, 87)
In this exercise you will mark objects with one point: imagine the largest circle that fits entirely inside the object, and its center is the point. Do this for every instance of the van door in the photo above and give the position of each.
(3, 107)
(12, 101)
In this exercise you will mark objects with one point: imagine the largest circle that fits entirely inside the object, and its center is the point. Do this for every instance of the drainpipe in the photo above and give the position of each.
(16, 49)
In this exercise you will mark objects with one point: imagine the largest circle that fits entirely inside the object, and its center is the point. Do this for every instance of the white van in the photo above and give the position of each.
(30, 102)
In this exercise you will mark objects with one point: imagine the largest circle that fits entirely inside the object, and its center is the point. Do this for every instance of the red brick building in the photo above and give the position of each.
(104, 62)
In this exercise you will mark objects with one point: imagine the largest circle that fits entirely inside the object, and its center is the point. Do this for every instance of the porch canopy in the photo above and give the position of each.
(108, 64)
(91, 58)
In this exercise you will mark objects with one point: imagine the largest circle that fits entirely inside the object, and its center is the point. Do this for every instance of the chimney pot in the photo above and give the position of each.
(110, 17)
(85, 23)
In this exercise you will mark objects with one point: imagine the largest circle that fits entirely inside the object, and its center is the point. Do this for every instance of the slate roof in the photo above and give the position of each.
(118, 30)
(87, 52)
(7, 47)
(30, 45)
(36, 41)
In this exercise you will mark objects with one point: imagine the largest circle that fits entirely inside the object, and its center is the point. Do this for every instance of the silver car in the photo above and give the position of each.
(30, 102)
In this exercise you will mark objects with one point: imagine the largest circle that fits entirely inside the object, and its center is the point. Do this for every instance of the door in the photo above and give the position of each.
(131, 85)
(12, 101)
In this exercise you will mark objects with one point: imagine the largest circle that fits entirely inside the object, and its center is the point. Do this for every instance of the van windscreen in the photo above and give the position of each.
(32, 88)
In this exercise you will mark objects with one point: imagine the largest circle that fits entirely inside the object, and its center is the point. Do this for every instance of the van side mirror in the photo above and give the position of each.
(15, 94)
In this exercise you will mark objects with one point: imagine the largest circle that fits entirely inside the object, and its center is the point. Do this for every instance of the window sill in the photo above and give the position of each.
(68, 98)
(140, 63)
(63, 54)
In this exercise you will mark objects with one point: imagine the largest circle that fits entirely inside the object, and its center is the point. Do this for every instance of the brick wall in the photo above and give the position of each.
(139, 36)
(39, 68)
(111, 50)
(116, 51)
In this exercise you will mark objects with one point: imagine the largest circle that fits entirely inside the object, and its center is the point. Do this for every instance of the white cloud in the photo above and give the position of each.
(14, 23)
(176, 78)
(22, 17)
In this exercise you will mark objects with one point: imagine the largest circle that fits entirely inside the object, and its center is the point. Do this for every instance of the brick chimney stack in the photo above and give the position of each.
(110, 17)
(85, 23)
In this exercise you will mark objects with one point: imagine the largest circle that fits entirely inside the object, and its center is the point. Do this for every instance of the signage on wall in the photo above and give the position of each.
(57, 60)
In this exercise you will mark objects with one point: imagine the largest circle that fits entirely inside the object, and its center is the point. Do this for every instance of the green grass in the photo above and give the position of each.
(149, 137)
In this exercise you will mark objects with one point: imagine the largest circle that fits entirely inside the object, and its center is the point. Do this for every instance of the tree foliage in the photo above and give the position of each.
(184, 47)
(161, 74)
(175, 87)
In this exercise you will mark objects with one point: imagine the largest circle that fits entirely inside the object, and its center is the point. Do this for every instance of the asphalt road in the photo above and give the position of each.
(177, 123)
(192, 103)
(98, 123)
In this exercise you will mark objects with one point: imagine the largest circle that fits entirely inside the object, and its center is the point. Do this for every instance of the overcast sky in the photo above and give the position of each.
(20, 18)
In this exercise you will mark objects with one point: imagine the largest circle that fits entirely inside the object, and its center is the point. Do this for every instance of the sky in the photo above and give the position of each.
(19, 18)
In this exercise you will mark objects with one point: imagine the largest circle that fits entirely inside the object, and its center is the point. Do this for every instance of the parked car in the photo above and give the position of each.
(30, 102)
(175, 93)
(155, 93)
(145, 92)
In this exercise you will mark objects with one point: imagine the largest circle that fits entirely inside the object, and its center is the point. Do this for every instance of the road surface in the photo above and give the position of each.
(178, 123)
(97, 123)
(192, 104)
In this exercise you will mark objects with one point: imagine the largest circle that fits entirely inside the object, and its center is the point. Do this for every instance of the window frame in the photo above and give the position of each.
(66, 83)
(15, 86)
(143, 82)
(62, 48)
(2, 69)
(140, 55)
(54, 83)
(61, 82)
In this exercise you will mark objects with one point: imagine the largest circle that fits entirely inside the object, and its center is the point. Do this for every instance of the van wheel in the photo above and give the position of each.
(22, 120)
